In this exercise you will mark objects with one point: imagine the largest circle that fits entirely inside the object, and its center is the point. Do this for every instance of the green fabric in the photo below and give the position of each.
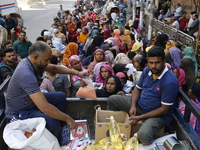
(188, 52)
(22, 48)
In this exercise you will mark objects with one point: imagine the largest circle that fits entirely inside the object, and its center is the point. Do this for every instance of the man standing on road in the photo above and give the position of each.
(21, 46)
(153, 98)
(61, 11)
(24, 98)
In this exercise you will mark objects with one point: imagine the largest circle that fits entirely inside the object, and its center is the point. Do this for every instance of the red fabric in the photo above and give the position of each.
(182, 23)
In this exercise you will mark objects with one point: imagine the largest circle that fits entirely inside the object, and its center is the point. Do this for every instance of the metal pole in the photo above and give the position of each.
(151, 20)
(129, 11)
(141, 15)
(134, 9)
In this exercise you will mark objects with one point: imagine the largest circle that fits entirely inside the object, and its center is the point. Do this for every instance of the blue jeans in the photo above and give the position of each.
(58, 99)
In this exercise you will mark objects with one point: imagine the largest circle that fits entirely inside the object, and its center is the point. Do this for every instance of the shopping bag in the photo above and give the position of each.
(87, 91)
(16, 137)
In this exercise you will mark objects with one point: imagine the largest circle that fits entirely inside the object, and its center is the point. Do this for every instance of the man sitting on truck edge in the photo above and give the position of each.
(153, 98)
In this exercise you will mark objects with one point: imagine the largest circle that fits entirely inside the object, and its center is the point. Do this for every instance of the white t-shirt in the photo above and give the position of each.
(175, 24)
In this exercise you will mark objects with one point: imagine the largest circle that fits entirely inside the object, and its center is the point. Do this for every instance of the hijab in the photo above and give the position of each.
(103, 92)
(126, 37)
(73, 60)
(97, 41)
(176, 56)
(99, 77)
(180, 77)
(169, 44)
(71, 49)
(188, 66)
(118, 58)
(188, 52)
(117, 36)
(135, 47)
(109, 57)
(92, 64)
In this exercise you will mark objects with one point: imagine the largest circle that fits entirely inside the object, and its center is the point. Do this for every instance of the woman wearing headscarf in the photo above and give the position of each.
(169, 44)
(71, 49)
(117, 37)
(188, 52)
(89, 40)
(123, 48)
(113, 86)
(126, 38)
(180, 74)
(75, 64)
(109, 57)
(136, 48)
(118, 58)
(83, 35)
(138, 38)
(188, 66)
(97, 41)
(99, 56)
(176, 56)
(103, 73)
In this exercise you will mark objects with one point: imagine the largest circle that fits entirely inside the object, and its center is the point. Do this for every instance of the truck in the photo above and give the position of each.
(80, 109)
(7, 6)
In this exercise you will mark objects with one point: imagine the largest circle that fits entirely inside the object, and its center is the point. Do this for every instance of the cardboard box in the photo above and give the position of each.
(102, 123)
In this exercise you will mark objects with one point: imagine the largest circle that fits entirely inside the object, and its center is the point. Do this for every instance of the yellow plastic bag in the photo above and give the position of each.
(96, 147)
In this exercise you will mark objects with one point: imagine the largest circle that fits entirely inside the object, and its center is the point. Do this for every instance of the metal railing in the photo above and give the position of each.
(179, 37)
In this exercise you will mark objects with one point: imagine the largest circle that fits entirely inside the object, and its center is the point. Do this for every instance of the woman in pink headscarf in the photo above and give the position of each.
(103, 73)
(117, 37)
(75, 64)
(99, 56)
(180, 74)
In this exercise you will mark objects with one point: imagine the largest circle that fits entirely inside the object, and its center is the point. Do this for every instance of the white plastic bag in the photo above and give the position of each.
(41, 139)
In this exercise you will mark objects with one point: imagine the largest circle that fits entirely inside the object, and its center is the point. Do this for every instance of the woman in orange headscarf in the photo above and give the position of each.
(127, 39)
(169, 44)
(71, 49)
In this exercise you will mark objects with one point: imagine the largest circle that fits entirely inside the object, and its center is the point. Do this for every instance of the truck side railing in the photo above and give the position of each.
(184, 119)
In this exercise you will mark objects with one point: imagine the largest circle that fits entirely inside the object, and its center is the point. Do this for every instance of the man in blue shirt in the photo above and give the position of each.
(25, 100)
(153, 98)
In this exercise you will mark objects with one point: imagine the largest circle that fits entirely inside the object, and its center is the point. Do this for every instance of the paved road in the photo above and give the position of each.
(41, 16)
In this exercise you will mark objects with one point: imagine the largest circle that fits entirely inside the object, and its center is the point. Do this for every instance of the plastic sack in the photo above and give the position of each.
(41, 139)
(87, 91)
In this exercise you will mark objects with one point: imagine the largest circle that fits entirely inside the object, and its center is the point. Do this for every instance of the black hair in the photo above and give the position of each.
(38, 46)
(22, 32)
(42, 32)
(40, 38)
(7, 42)
(7, 50)
(45, 40)
(54, 60)
(127, 27)
(119, 67)
(156, 51)
(142, 62)
(113, 51)
(131, 55)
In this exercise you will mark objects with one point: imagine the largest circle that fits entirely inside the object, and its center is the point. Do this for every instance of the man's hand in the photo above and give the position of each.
(83, 74)
(72, 124)
(134, 119)
(132, 111)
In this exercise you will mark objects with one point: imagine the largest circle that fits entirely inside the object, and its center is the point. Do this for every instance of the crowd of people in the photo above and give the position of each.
(179, 21)
(139, 79)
